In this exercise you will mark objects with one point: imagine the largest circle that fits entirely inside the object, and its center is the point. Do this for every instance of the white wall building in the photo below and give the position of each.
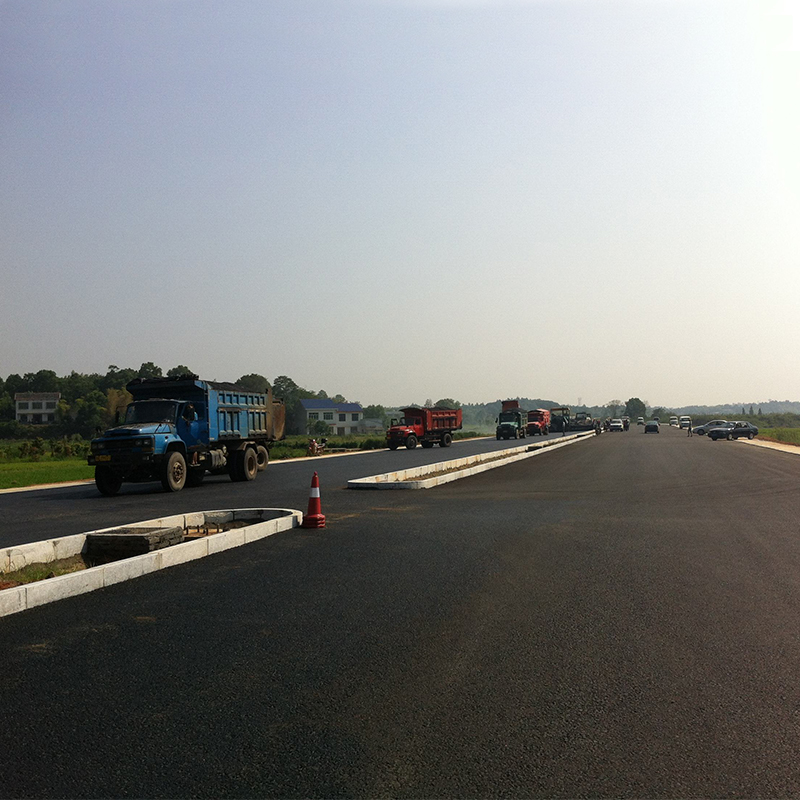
(36, 408)
(342, 417)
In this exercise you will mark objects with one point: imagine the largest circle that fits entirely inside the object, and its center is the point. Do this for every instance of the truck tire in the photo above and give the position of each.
(107, 480)
(411, 442)
(173, 472)
(446, 440)
(427, 445)
(393, 445)
(195, 476)
(262, 457)
(244, 466)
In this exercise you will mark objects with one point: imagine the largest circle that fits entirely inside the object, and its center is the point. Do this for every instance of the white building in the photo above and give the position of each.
(342, 417)
(36, 408)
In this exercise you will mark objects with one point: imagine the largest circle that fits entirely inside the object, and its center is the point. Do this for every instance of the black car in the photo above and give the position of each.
(652, 426)
(733, 430)
(715, 423)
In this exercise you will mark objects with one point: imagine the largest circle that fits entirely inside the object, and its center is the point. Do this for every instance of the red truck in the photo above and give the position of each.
(428, 426)
(538, 422)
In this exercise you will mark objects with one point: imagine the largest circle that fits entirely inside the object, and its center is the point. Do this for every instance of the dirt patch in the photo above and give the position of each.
(40, 572)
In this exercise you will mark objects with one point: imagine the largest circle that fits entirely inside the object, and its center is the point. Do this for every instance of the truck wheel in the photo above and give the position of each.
(262, 457)
(427, 445)
(446, 440)
(107, 480)
(411, 442)
(195, 476)
(173, 472)
(498, 437)
(245, 465)
(393, 445)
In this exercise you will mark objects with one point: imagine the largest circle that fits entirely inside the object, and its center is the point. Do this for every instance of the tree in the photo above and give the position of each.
(8, 409)
(317, 427)
(447, 402)
(253, 382)
(149, 370)
(612, 406)
(45, 380)
(16, 383)
(428, 403)
(283, 386)
(751, 411)
(117, 378)
(635, 408)
(759, 412)
(91, 413)
(176, 372)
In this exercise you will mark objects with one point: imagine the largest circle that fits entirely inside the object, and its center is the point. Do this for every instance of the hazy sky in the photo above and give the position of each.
(406, 199)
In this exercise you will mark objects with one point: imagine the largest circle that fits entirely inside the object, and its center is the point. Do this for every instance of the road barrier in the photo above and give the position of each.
(446, 471)
(256, 523)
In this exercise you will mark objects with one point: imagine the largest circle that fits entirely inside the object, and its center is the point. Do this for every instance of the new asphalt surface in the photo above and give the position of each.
(612, 619)
(33, 515)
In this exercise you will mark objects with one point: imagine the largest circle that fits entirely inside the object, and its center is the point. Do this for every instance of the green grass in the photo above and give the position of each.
(785, 435)
(16, 474)
(39, 572)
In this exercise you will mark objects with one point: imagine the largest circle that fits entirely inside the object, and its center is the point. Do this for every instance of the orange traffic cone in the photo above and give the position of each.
(314, 518)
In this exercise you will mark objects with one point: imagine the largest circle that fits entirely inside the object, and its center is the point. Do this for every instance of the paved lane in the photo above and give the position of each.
(615, 619)
(35, 515)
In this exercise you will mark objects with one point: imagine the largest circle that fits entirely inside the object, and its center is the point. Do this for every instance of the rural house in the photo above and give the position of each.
(342, 417)
(36, 408)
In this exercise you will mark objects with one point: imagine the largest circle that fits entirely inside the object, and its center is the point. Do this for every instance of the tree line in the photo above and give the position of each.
(90, 401)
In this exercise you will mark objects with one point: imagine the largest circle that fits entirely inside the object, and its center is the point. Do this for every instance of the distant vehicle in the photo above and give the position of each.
(652, 426)
(733, 430)
(640, 420)
(559, 418)
(582, 421)
(701, 430)
(538, 422)
(426, 426)
(512, 423)
(673, 421)
(616, 425)
(685, 422)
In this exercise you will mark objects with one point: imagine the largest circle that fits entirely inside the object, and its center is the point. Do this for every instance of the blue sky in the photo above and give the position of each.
(399, 200)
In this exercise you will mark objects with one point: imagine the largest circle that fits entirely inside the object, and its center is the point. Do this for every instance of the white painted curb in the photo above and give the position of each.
(20, 598)
(463, 467)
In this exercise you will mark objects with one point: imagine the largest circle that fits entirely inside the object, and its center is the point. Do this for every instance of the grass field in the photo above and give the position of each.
(783, 435)
(14, 474)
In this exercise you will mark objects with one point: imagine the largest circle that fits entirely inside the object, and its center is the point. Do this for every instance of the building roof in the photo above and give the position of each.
(37, 396)
(315, 404)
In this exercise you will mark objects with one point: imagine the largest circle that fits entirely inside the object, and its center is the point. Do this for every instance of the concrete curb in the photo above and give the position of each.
(20, 598)
(783, 448)
(414, 478)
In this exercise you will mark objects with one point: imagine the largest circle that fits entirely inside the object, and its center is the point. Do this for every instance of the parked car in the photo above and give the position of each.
(700, 430)
(640, 420)
(651, 426)
(733, 430)
(673, 421)
(685, 422)
(616, 425)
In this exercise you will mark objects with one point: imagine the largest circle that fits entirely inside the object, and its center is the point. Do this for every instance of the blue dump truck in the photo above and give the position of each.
(177, 429)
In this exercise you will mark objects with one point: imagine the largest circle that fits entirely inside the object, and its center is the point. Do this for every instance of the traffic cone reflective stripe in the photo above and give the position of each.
(314, 518)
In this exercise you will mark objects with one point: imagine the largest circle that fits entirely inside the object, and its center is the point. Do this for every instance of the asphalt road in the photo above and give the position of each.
(31, 516)
(613, 619)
